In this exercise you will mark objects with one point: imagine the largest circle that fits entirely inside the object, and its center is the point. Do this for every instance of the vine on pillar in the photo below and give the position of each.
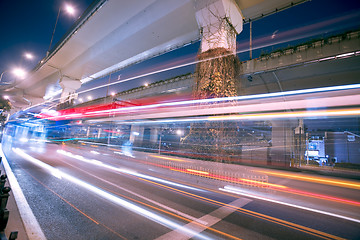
(215, 77)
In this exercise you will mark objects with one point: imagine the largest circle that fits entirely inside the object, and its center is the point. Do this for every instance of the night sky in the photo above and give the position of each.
(27, 26)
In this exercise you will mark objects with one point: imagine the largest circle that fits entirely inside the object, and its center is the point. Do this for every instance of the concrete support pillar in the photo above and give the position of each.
(282, 140)
(154, 134)
(299, 143)
(88, 132)
(69, 87)
(219, 21)
(99, 133)
(136, 133)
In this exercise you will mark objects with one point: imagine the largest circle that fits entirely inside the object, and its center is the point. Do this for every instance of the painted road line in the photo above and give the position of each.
(142, 197)
(32, 227)
(153, 216)
(211, 219)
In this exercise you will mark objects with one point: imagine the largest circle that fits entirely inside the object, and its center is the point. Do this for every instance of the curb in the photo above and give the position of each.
(24, 219)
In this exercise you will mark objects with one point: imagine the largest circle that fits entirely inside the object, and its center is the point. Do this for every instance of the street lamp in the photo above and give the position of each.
(179, 132)
(29, 56)
(18, 72)
(70, 10)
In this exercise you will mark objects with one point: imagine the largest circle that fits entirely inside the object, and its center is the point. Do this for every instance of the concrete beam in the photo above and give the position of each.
(319, 50)
(69, 88)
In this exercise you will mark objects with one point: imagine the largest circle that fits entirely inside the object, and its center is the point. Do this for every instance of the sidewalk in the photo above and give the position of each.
(333, 172)
(15, 222)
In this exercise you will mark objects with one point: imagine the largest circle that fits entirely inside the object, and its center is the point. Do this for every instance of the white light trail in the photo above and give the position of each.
(345, 55)
(113, 198)
(276, 115)
(27, 216)
(236, 98)
(55, 172)
(212, 100)
(126, 171)
(297, 114)
(238, 191)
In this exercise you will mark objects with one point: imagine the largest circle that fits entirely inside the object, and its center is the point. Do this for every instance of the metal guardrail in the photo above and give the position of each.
(245, 177)
(4, 213)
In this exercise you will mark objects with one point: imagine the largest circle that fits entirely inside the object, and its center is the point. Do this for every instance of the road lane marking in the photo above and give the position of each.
(110, 197)
(73, 206)
(239, 192)
(212, 218)
(156, 208)
(142, 197)
(32, 226)
(268, 218)
(261, 216)
(254, 214)
(117, 169)
(66, 201)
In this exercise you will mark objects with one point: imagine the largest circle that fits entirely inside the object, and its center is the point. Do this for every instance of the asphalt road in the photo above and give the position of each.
(89, 191)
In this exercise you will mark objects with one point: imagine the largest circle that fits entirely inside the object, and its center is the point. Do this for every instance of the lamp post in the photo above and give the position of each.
(18, 72)
(70, 10)
(2, 74)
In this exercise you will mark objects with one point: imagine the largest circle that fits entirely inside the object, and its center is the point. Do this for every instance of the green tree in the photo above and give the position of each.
(5, 105)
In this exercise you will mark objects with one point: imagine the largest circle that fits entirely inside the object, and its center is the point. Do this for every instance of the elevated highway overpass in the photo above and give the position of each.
(326, 62)
(92, 50)
(112, 35)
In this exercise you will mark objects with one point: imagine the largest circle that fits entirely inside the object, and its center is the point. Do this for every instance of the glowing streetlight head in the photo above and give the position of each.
(29, 56)
(89, 97)
(146, 84)
(112, 94)
(81, 100)
(70, 9)
(179, 132)
(18, 72)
